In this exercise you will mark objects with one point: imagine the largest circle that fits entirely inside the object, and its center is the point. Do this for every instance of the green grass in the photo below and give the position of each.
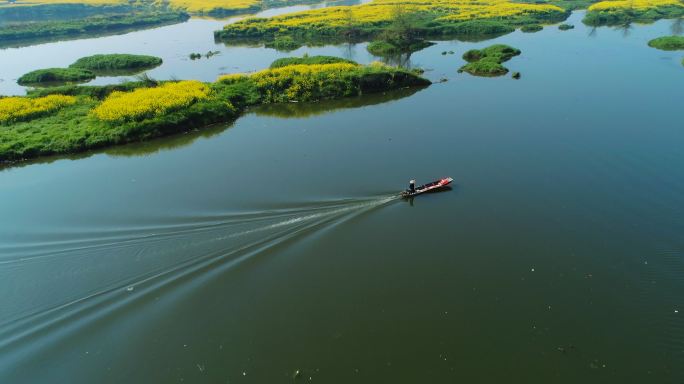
(308, 60)
(531, 28)
(74, 129)
(109, 63)
(565, 27)
(668, 43)
(55, 75)
(487, 62)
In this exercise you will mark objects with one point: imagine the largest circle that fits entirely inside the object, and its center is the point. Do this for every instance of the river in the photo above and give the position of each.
(275, 250)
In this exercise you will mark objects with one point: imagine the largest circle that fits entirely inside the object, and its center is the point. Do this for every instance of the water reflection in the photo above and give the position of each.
(304, 110)
(677, 27)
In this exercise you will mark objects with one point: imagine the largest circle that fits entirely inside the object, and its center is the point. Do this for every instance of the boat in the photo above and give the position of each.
(429, 187)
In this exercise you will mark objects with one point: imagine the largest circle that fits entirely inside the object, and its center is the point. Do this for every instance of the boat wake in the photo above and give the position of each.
(85, 275)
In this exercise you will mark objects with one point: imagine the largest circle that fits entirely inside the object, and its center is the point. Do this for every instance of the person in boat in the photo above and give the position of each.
(412, 186)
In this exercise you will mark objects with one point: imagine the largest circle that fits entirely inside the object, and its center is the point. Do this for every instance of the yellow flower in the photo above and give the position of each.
(149, 102)
(23, 108)
(607, 6)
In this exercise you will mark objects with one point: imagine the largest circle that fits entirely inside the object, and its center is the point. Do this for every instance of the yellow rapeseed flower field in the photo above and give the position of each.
(149, 102)
(88, 2)
(193, 6)
(618, 5)
(380, 11)
(205, 6)
(301, 81)
(22, 108)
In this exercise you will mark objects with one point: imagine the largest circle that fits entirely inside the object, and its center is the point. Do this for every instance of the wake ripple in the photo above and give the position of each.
(56, 284)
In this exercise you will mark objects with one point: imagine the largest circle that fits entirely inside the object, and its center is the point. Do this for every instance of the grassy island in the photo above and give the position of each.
(72, 119)
(365, 22)
(56, 75)
(116, 63)
(668, 43)
(618, 12)
(487, 62)
(17, 32)
(566, 27)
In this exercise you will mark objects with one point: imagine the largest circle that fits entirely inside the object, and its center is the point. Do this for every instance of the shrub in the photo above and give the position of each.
(565, 27)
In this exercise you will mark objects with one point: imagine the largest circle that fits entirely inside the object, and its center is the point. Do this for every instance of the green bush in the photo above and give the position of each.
(565, 27)
(668, 43)
(56, 75)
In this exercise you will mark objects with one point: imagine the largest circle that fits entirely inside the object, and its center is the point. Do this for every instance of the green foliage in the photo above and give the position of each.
(531, 28)
(308, 60)
(285, 43)
(487, 61)
(109, 63)
(630, 15)
(56, 75)
(565, 27)
(88, 26)
(668, 43)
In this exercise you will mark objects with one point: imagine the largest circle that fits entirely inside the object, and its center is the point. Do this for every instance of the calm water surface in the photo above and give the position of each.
(244, 253)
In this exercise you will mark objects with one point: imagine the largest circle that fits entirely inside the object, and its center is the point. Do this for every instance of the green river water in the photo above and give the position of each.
(249, 252)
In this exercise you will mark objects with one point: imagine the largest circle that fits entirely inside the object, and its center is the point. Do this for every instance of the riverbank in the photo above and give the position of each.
(89, 117)
(19, 33)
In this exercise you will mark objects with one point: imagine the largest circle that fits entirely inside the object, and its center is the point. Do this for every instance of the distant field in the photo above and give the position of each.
(193, 6)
